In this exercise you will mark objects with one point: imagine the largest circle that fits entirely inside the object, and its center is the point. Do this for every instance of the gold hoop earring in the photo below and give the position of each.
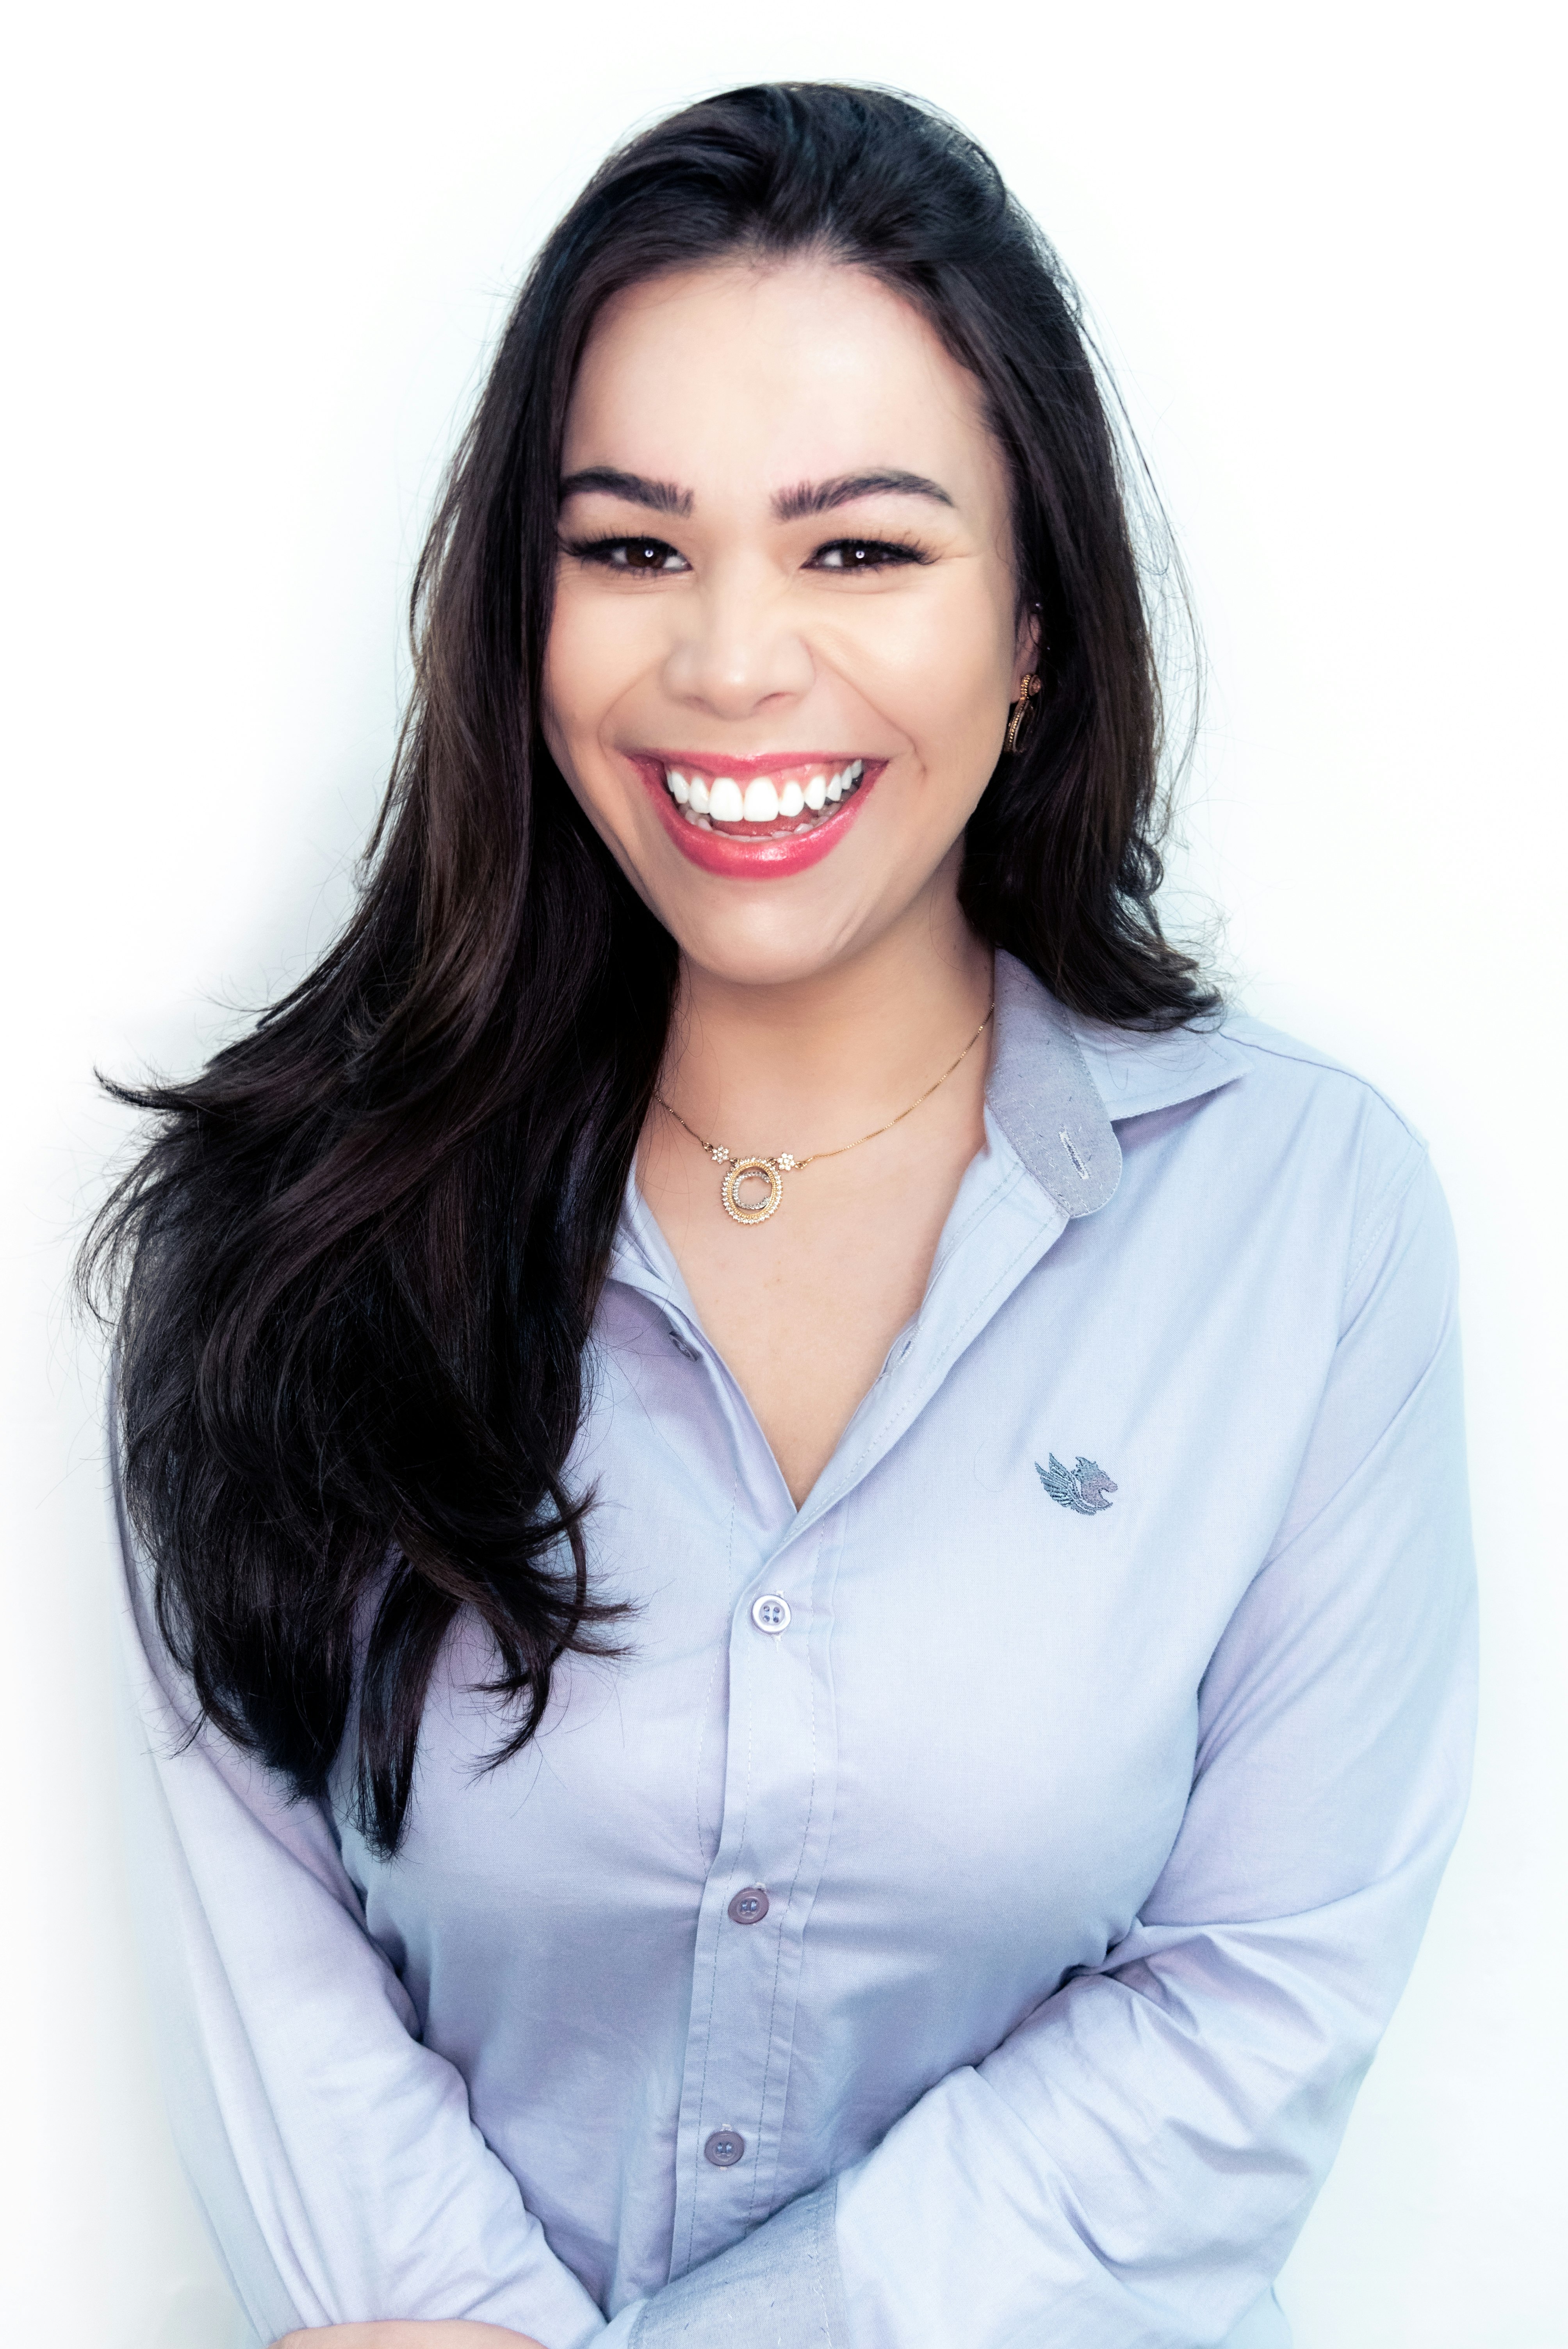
(1021, 708)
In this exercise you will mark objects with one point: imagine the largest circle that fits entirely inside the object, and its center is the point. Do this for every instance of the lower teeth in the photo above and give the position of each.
(802, 823)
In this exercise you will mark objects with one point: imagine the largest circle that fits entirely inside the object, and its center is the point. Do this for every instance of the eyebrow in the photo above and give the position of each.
(663, 497)
(822, 497)
(788, 505)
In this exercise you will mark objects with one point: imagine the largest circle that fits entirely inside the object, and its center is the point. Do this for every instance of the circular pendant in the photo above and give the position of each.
(750, 1171)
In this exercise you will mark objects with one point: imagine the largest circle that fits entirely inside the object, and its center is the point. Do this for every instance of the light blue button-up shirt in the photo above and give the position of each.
(1098, 1769)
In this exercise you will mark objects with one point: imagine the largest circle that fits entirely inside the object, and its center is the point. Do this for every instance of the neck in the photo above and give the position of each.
(808, 1064)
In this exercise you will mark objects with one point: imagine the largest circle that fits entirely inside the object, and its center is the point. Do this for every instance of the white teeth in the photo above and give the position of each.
(764, 799)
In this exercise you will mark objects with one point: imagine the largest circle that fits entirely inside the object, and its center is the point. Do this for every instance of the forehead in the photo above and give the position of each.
(773, 372)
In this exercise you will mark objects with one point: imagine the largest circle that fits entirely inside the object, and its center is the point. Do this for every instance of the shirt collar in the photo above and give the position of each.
(643, 1258)
(1061, 1084)
(1041, 1094)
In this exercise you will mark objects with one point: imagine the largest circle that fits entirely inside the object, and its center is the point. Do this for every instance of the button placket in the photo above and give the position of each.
(775, 1723)
(778, 1802)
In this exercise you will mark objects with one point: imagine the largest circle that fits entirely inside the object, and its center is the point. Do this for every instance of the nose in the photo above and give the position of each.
(736, 652)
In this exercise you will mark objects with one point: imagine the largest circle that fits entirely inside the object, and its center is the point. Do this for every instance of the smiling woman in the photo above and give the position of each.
(679, 1811)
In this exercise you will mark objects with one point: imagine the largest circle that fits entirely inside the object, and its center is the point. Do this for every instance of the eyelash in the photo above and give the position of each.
(884, 554)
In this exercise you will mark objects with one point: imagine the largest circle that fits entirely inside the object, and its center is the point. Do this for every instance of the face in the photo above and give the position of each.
(785, 636)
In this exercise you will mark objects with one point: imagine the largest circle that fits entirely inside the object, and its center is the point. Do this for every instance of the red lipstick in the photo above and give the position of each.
(731, 856)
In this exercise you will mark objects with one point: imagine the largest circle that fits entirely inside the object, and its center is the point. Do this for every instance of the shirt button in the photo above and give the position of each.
(770, 1613)
(723, 2148)
(749, 1905)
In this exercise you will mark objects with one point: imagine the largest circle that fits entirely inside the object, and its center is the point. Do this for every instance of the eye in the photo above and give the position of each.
(863, 554)
(648, 557)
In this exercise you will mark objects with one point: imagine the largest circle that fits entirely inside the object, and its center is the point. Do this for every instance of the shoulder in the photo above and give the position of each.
(1344, 1122)
(1286, 1066)
(1334, 1107)
(1253, 1099)
(1136, 1072)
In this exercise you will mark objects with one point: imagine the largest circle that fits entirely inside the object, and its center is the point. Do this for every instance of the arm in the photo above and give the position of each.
(1128, 2169)
(333, 2155)
(396, 2334)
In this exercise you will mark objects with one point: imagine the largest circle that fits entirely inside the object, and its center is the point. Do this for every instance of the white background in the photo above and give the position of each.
(257, 257)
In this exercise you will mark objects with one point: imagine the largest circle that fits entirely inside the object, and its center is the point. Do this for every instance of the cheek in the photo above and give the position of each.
(571, 663)
(592, 653)
(938, 666)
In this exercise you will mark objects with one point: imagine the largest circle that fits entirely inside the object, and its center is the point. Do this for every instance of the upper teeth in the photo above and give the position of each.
(763, 801)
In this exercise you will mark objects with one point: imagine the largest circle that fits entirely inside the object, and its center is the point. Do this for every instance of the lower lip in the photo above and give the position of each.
(754, 860)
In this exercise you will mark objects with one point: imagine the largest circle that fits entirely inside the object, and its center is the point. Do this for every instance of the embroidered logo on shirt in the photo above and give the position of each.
(1083, 1487)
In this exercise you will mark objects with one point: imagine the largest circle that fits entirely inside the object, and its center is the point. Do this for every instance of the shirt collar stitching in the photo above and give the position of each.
(1136, 1072)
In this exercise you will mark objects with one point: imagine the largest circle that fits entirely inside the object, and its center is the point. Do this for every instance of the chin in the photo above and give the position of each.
(772, 944)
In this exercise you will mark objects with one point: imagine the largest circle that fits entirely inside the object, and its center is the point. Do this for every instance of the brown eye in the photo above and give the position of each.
(645, 554)
(647, 557)
(863, 554)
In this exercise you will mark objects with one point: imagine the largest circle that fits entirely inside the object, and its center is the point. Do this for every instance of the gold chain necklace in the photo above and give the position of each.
(773, 1171)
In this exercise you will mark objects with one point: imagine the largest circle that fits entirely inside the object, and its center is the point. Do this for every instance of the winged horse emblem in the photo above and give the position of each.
(1085, 1486)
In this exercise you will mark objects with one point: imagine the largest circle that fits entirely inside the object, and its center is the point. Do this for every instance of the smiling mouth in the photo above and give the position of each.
(785, 805)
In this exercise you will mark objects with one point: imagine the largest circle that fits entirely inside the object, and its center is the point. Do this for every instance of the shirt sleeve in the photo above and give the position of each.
(332, 2156)
(1129, 2169)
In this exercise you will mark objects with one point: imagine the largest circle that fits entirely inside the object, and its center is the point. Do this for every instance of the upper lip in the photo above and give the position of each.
(767, 762)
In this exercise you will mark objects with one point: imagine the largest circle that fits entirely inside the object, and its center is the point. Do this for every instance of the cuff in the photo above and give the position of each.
(779, 2286)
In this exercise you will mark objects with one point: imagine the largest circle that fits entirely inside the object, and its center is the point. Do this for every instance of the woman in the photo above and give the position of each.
(797, 1537)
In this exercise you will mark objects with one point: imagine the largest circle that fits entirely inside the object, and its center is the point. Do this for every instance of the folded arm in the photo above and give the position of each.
(458, 2333)
(340, 2172)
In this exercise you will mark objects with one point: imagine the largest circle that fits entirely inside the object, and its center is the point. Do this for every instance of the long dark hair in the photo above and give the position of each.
(357, 1264)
